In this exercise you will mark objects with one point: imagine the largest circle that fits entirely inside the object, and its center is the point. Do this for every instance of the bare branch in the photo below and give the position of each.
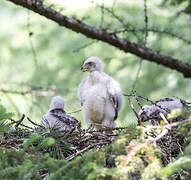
(15, 122)
(34, 92)
(20, 121)
(168, 126)
(32, 122)
(161, 135)
(153, 30)
(99, 34)
(73, 112)
(85, 149)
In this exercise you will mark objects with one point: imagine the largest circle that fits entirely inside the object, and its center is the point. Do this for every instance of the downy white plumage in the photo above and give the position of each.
(100, 96)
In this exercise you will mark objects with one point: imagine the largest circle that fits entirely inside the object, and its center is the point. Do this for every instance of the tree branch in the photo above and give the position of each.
(99, 34)
(34, 92)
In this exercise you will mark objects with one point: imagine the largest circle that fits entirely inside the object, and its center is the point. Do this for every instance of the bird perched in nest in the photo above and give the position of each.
(57, 117)
(164, 106)
(100, 96)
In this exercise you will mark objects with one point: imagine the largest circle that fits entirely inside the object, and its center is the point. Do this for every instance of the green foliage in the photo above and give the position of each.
(30, 141)
(4, 126)
(185, 3)
(47, 142)
(35, 138)
(179, 113)
(20, 165)
(183, 162)
(3, 114)
(183, 128)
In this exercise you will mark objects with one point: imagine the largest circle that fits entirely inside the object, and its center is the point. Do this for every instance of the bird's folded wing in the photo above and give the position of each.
(81, 88)
(65, 118)
(115, 95)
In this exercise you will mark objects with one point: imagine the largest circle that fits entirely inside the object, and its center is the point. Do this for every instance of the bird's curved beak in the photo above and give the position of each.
(84, 68)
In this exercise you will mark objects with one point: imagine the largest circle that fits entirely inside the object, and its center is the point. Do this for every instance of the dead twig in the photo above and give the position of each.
(14, 122)
(161, 135)
(75, 111)
(85, 150)
(20, 121)
(164, 118)
(34, 92)
(134, 94)
(34, 123)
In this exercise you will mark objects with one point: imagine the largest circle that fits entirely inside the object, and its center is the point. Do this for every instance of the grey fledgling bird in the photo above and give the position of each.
(58, 118)
(164, 106)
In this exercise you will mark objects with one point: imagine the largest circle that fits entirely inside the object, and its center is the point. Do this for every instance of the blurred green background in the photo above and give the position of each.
(49, 59)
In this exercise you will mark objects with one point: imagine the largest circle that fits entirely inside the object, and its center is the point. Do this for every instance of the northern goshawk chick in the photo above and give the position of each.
(164, 106)
(100, 96)
(57, 117)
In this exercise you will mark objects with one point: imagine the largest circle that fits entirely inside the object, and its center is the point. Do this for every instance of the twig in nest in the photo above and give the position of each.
(161, 135)
(20, 124)
(34, 122)
(108, 129)
(164, 118)
(168, 126)
(20, 121)
(166, 129)
(85, 149)
(69, 132)
(177, 123)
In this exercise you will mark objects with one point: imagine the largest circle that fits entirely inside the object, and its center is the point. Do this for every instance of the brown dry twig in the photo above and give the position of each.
(32, 122)
(15, 122)
(34, 92)
(85, 150)
(20, 121)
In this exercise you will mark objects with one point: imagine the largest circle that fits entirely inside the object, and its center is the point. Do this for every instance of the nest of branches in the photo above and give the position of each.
(170, 136)
(171, 145)
(68, 144)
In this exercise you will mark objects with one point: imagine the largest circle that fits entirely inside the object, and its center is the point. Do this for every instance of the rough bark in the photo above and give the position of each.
(99, 34)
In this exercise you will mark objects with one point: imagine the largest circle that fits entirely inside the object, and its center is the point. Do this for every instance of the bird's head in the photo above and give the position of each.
(92, 64)
(57, 102)
(145, 113)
